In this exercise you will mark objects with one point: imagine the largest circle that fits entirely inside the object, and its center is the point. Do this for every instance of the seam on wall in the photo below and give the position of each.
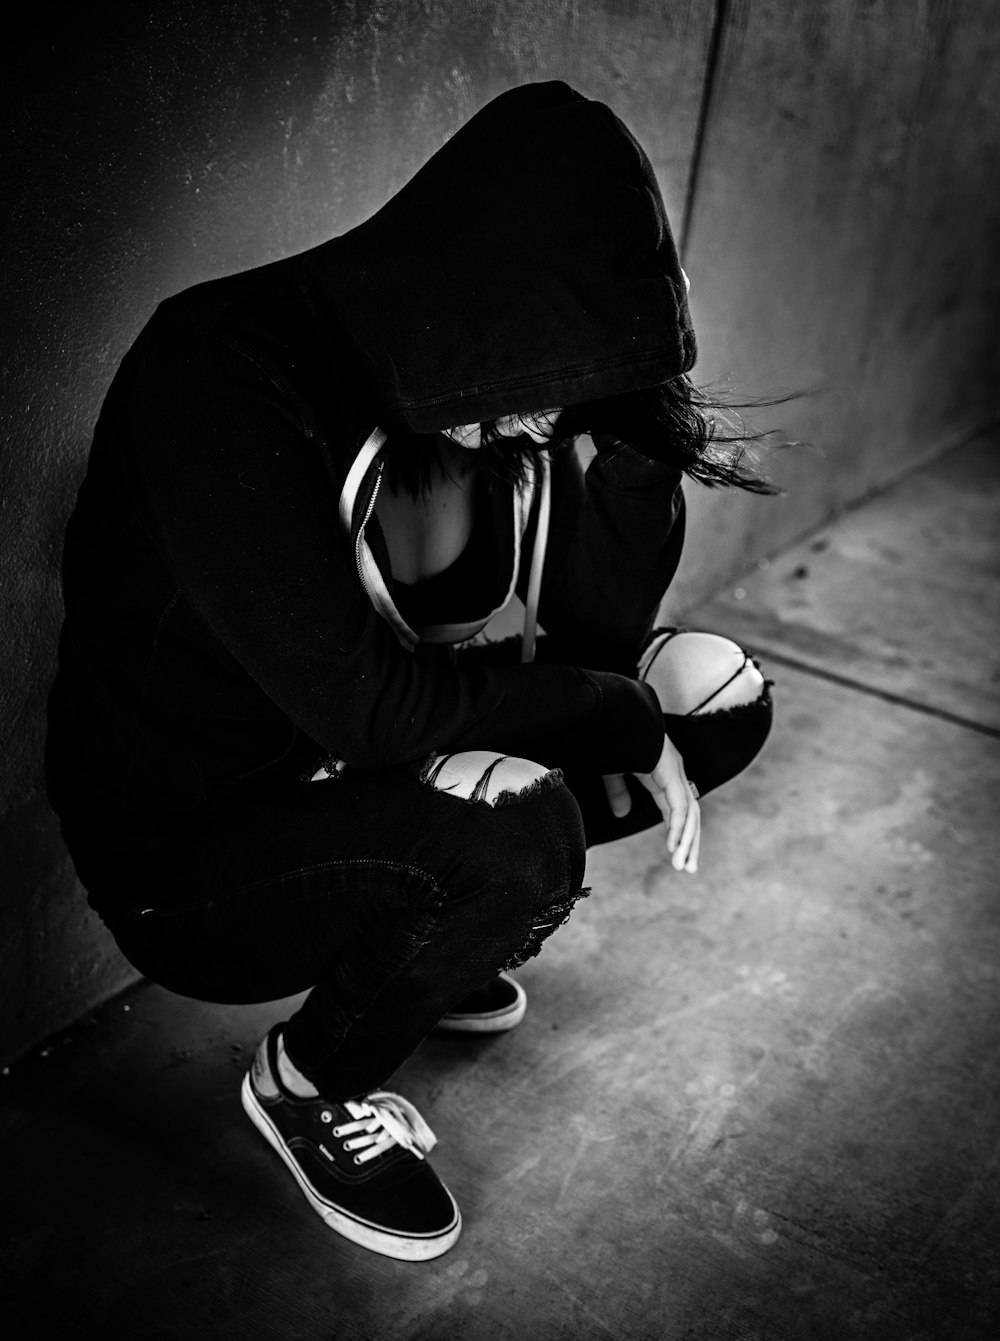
(858, 685)
(704, 111)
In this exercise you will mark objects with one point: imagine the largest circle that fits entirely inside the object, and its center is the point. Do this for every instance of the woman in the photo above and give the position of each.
(280, 757)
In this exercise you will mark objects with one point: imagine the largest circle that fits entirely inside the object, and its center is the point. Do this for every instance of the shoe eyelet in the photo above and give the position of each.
(326, 1116)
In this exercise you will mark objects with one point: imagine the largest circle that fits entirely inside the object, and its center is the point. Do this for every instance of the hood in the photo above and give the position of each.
(529, 264)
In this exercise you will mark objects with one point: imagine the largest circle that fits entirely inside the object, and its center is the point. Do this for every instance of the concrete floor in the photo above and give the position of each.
(757, 1105)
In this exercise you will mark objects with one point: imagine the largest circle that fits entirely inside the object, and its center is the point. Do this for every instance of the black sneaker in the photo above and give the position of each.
(491, 1009)
(360, 1163)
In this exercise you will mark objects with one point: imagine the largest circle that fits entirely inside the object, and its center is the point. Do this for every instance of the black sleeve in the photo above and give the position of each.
(226, 472)
(615, 541)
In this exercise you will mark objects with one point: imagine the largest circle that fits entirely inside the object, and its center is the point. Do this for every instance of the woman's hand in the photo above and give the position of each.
(676, 799)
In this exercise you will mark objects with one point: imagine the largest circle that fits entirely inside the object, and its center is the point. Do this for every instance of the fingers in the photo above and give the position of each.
(677, 799)
(618, 794)
(686, 856)
(684, 823)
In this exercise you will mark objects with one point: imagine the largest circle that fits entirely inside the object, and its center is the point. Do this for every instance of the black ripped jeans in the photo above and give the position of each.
(389, 898)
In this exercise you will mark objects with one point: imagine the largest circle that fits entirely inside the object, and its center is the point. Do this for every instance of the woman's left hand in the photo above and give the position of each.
(677, 800)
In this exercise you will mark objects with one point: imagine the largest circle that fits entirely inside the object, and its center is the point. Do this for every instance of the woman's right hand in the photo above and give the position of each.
(678, 802)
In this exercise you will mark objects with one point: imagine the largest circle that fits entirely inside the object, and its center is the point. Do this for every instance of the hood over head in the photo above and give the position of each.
(529, 264)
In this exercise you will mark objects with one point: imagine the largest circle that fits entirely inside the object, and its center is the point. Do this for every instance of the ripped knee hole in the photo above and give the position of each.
(699, 674)
(484, 775)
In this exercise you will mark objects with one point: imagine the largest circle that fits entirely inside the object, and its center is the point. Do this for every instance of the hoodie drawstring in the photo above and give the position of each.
(528, 637)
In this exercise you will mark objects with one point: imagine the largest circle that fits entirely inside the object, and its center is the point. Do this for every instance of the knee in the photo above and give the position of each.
(695, 673)
(716, 703)
(529, 831)
(526, 865)
(488, 777)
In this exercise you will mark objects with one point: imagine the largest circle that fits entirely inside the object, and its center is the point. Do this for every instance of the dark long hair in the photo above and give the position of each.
(676, 423)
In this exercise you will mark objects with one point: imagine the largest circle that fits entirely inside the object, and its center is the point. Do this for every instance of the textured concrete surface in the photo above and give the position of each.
(845, 222)
(900, 596)
(756, 1105)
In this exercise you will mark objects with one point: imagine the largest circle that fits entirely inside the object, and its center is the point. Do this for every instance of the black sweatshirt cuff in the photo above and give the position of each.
(627, 468)
(627, 736)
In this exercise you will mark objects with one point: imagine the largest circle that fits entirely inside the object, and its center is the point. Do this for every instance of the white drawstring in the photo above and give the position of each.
(528, 637)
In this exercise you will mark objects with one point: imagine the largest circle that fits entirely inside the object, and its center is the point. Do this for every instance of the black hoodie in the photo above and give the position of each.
(218, 637)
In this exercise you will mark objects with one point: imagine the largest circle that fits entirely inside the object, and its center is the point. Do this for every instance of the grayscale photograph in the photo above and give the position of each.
(500, 677)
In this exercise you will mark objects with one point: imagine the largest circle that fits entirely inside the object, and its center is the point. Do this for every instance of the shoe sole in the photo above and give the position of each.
(492, 1022)
(406, 1248)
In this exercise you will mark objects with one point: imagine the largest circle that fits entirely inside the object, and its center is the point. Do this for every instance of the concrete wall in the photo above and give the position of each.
(835, 167)
(844, 240)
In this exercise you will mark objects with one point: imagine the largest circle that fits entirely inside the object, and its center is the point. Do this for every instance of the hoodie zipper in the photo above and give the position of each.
(364, 522)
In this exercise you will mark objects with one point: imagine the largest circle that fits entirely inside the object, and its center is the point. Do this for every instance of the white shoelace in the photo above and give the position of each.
(382, 1121)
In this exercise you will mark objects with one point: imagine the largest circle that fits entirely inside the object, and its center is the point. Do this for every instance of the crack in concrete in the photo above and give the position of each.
(873, 691)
